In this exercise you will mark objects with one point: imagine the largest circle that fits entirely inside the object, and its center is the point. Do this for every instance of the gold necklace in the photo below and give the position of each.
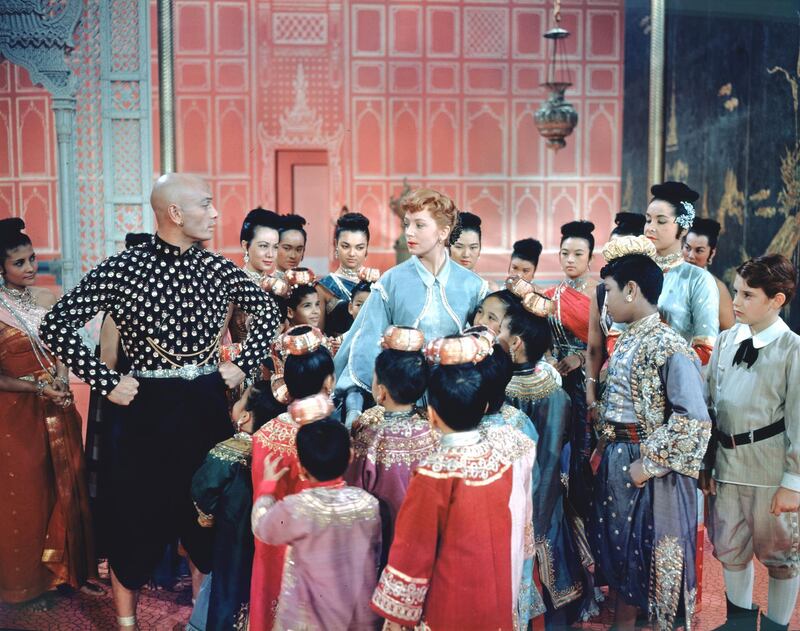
(669, 261)
(23, 297)
(343, 271)
(578, 284)
(256, 277)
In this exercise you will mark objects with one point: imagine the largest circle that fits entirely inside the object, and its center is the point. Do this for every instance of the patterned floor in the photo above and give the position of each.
(168, 611)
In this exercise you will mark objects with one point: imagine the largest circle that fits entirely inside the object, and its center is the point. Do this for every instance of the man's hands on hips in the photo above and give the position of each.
(125, 391)
(231, 374)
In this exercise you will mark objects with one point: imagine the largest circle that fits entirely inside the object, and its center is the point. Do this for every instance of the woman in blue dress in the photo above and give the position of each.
(689, 300)
(350, 243)
(428, 291)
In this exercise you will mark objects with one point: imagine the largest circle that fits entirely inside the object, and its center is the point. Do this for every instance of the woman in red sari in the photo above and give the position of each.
(569, 323)
(45, 537)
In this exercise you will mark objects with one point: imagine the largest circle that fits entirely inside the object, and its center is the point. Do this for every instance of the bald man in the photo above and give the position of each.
(170, 300)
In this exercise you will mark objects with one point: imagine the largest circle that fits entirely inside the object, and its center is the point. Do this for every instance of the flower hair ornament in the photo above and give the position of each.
(276, 286)
(627, 245)
(532, 300)
(450, 351)
(369, 274)
(403, 338)
(485, 336)
(299, 276)
(310, 409)
(687, 219)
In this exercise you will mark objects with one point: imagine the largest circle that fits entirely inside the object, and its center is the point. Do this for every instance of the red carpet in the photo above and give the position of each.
(162, 611)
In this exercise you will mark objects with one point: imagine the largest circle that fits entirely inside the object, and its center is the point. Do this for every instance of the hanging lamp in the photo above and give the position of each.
(556, 118)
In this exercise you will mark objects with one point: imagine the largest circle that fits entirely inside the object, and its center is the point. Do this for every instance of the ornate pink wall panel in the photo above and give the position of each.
(439, 92)
(443, 93)
(27, 157)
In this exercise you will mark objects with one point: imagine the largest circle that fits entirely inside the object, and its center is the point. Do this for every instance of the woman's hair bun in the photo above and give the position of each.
(580, 228)
(292, 222)
(353, 222)
(527, 249)
(11, 226)
(469, 221)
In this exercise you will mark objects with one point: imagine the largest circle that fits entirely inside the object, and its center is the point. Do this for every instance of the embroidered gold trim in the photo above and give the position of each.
(342, 505)
(477, 464)
(532, 387)
(387, 441)
(278, 435)
(544, 554)
(51, 555)
(233, 450)
(399, 595)
(665, 584)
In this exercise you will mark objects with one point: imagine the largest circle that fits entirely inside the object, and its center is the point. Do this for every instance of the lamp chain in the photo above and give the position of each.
(557, 11)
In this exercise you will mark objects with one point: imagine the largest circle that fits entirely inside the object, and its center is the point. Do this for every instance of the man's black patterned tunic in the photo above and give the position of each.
(169, 308)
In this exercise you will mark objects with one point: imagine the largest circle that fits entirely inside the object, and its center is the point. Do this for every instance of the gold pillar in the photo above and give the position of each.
(655, 129)
(166, 85)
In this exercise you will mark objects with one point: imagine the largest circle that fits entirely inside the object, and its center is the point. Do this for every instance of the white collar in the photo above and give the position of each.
(425, 274)
(760, 340)
(461, 439)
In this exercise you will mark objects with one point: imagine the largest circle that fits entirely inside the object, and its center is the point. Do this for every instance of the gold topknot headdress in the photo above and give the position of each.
(403, 338)
(449, 351)
(276, 286)
(310, 409)
(485, 336)
(532, 300)
(299, 276)
(293, 342)
(626, 245)
(369, 274)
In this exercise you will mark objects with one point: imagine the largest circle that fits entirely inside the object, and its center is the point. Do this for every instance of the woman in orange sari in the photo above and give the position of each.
(45, 536)
(569, 323)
